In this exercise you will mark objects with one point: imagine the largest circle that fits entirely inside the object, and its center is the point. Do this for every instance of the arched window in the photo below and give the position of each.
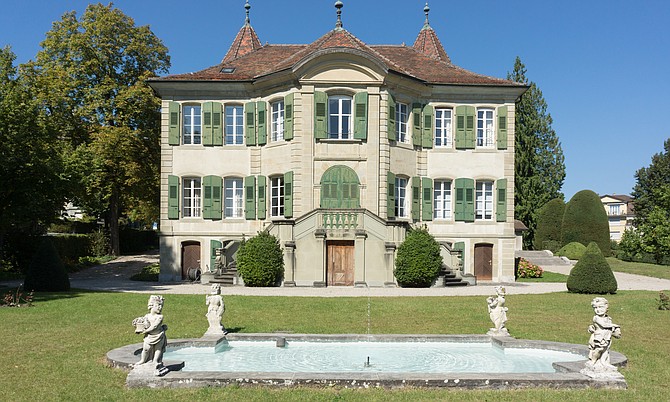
(340, 188)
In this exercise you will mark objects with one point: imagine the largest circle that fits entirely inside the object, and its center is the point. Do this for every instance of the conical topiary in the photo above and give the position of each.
(46, 272)
(592, 273)
(585, 220)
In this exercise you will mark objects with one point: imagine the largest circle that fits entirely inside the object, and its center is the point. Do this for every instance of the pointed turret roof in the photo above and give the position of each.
(245, 42)
(428, 43)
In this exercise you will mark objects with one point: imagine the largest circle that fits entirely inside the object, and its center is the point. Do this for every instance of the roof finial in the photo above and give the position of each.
(426, 10)
(247, 7)
(339, 5)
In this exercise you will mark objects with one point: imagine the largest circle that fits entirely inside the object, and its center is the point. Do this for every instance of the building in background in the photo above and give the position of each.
(620, 213)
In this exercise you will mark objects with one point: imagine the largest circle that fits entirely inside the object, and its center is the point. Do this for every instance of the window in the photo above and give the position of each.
(401, 118)
(400, 197)
(485, 128)
(278, 121)
(339, 117)
(192, 125)
(277, 196)
(233, 201)
(484, 200)
(234, 125)
(191, 197)
(615, 209)
(443, 137)
(442, 200)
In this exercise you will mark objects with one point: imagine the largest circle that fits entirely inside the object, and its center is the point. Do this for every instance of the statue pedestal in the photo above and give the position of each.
(495, 332)
(599, 371)
(150, 369)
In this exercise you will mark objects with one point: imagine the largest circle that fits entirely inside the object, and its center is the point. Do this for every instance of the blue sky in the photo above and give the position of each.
(603, 66)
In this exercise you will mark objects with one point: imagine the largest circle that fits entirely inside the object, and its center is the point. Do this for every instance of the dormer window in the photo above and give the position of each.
(228, 70)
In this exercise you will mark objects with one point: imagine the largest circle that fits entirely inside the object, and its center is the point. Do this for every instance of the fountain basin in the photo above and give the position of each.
(427, 367)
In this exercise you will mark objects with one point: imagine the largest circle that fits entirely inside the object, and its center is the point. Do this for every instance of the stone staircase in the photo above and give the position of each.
(450, 277)
(227, 278)
(546, 260)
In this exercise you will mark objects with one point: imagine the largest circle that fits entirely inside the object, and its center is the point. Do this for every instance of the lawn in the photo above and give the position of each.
(56, 349)
(639, 268)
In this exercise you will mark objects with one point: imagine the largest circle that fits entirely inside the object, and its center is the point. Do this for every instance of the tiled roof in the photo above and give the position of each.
(245, 42)
(429, 44)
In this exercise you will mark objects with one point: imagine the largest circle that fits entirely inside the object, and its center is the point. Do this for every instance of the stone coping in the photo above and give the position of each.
(567, 373)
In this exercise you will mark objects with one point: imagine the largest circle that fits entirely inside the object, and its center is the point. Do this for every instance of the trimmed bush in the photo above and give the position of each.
(137, 241)
(260, 261)
(419, 261)
(585, 221)
(71, 247)
(46, 272)
(592, 273)
(573, 251)
(548, 231)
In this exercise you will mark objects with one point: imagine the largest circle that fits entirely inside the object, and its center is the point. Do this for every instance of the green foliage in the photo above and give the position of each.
(99, 241)
(148, 273)
(46, 272)
(260, 260)
(71, 247)
(663, 301)
(573, 251)
(630, 246)
(539, 164)
(655, 233)
(136, 241)
(17, 298)
(527, 269)
(592, 274)
(418, 262)
(548, 232)
(585, 221)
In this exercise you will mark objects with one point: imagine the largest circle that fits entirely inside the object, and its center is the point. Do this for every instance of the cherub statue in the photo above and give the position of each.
(155, 341)
(215, 309)
(602, 330)
(498, 312)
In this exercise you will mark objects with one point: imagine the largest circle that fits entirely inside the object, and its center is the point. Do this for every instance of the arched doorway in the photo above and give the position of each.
(190, 257)
(484, 261)
(340, 188)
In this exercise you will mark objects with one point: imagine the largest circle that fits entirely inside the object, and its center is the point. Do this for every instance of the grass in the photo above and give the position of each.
(55, 350)
(546, 277)
(639, 268)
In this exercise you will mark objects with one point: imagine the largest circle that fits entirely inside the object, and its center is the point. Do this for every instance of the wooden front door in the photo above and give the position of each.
(484, 261)
(190, 257)
(340, 269)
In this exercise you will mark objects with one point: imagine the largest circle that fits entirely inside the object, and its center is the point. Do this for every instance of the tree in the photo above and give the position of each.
(31, 185)
(260, 260)
(592, 273)
(91, 76)
(539, 165)
(419, 261)
(548, 231)
(46, 272)
(585, 221)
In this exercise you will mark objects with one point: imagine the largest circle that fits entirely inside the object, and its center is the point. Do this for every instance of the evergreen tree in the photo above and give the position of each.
(592, 273)
(548, 232)
(418, 262)
(46, 272)
(585, 221)
(539, 162)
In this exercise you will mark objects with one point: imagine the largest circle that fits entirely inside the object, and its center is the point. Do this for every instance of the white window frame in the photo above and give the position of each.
(401, 210)
(277, 196)
(278, 120)
(485, 127)
(401, 121)
(615, 209)
(443, 128)
(442, 209)
(484, 200)
(340, 123)
(233, 193)
(234, 131)
(191, 197)
(192, 125)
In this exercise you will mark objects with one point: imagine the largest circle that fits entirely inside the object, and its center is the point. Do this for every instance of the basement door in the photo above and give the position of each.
(190, 257)
(484, 261)
(340, 265)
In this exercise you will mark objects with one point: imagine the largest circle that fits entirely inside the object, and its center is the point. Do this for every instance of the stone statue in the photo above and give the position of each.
(498, 313)
(215, 309)
(602, 330)
(155, 341)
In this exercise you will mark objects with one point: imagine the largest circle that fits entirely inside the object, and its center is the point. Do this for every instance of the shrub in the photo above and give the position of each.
(71, 247)
(99, 243)
(585, 221)
(548, 231)
(630, 246)
(419, 261)
(137, 241)
(260, 261)
(663, 301)
(17, 298)
(592, 273)
(46, 272)
(573, 251)
(527, 269)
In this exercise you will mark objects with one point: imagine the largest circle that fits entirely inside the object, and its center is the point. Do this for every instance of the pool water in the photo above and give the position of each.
(352, 356)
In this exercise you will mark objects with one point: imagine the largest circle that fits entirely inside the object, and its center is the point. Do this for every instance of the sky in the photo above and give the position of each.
(602, 66)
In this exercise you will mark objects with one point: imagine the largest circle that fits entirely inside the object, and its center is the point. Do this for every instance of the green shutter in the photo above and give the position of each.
(288, 117)
(470, 129)
(416, 198)
(392, 134)
(501, 201)
(217, 123)
(459, 204)
(288, 194)
(416, 124)
(250, 197)
(390, 198)
(213, 246)
(361, 116)
(217, 197)
(460, 127)
(250, 122)
(206, 197)
(207, 133)
(427, 207)
(469, 213)
(427, 137)
(320, 115)
(465, 127)
(502, 127)
(262, 197)
(173, 197)
(173, 133)
(261, 109)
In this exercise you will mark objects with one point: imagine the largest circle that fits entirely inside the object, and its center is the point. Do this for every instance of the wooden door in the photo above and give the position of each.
(484, 261)
(340, 269)
(190, 257)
